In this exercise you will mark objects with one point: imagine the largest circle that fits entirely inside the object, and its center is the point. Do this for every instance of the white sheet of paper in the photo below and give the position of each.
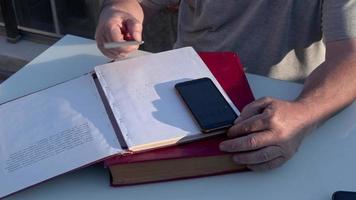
(144, 101)
(51, 132)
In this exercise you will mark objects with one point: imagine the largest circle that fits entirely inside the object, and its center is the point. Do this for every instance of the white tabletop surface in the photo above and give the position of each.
(325, 162)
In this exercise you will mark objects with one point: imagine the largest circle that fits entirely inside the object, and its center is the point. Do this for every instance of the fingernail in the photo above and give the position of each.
(222, 147)
(235, 159)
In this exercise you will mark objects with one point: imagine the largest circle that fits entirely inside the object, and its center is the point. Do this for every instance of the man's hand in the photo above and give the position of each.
(119, 21)
(267, 133)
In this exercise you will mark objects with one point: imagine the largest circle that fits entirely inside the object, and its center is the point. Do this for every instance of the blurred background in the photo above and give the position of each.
(28, 27)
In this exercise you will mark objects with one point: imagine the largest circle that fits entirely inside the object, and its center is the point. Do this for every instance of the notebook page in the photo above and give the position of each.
(142, 96)
(52, 132)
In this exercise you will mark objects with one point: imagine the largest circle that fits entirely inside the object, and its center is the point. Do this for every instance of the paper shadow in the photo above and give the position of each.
(164, 108)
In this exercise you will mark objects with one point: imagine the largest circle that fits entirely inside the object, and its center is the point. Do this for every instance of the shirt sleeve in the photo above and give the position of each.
(338, 19)
(159, 4)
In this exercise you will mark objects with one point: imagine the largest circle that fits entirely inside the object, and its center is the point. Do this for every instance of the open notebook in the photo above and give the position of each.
(121, 107)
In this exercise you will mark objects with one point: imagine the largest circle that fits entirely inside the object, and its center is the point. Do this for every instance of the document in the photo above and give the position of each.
(142, 96)
(51, 132)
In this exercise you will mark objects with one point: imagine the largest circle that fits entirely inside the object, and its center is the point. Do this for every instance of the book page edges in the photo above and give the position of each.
(174, 141)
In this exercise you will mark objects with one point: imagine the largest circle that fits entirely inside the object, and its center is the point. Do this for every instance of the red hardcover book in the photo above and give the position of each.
(228, 70)
(195, 159)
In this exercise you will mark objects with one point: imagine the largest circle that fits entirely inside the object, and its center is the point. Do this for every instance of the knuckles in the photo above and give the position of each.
(278, 120)
(245, 128)
(266, 99)
(252, 142)
(264, 156)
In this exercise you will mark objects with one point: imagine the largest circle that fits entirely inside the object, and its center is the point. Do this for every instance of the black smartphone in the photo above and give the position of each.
(208, 106)
(344, 195)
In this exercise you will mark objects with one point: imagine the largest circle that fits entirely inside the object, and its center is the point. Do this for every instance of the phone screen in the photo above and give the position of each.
(343, 195)
(207, 104)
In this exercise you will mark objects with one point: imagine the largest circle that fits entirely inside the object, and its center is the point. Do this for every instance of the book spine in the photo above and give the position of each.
(121, 129)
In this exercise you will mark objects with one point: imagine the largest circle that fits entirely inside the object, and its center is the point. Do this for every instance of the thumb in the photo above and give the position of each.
(134, 29)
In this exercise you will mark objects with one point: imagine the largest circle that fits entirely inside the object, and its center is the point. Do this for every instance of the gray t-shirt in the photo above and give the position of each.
(282, 39)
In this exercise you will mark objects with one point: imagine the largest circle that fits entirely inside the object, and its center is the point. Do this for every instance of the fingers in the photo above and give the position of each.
(119, 28)
(99, 37)
(131, 29)
(260, 156)
(255, 123)
(249, 142)
(254, 117)
(134, 28)
(267, 165)
(114, 34)
(254, 108)
(108, 33)
(267, 134)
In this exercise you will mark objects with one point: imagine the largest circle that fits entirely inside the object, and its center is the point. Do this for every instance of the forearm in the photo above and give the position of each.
(332, 85)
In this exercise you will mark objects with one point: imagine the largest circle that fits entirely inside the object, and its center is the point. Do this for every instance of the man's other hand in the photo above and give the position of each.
(121, 22)
(267, 133)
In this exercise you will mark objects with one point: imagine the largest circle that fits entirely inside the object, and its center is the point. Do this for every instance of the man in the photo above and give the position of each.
(285, 39)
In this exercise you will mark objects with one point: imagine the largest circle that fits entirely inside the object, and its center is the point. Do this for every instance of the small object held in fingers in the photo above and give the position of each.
(113, 45)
